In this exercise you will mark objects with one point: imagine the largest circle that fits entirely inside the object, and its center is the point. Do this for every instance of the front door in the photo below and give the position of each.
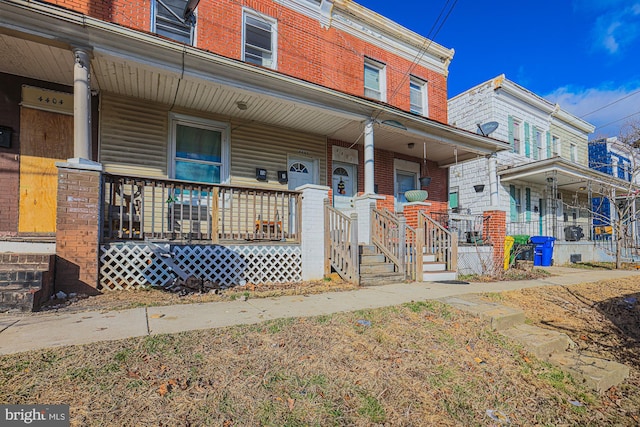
(344, 185)
(45, 138)
(301, 172)
(405, 181)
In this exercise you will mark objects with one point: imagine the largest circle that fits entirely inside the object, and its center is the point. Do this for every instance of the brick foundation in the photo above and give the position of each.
(78, 228)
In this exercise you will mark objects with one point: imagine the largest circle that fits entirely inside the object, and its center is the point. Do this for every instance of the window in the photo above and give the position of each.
(374, 80)
(167, 20)
(539, 146)
(555, 143)
(516, 136)
(418, 91)
(454, 201)
(200, 150)
(259, 40)
(515, 202)
(573, 152)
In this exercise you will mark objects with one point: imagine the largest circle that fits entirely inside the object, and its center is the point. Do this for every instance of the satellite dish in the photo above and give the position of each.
(487, 128)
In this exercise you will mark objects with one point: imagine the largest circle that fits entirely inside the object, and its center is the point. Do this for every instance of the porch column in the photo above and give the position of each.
(369, 173)
(81, 105)
(363, 205)
(493, 180)
(312, 236)
(78, 227)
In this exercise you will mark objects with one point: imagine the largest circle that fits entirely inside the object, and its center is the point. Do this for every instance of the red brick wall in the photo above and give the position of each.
(77, 237)
(383, 164)
(305, 50)
(495, 230)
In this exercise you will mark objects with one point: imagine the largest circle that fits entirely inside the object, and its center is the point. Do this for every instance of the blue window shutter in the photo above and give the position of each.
(527, 201)
(527, 140)
(535, 143)
(549, 145)
(512, 200)
(511, 133)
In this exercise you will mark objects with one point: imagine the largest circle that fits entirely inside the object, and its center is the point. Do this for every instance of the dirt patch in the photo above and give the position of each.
(149, 297)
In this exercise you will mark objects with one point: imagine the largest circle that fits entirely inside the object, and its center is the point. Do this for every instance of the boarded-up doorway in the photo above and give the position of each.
(45, 138)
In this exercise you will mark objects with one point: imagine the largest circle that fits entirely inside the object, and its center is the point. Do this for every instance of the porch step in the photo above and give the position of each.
(380, 279)
(435, 276)
(433, 266)
(598, 374)
(375, 269)
(26, 280)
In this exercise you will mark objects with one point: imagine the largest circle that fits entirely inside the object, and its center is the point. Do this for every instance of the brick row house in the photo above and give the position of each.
(544, 183)
(222, 140)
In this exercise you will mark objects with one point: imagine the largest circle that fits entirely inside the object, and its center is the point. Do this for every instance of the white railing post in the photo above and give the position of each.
(312, 237)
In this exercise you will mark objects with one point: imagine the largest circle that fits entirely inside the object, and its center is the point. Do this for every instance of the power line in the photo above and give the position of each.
(611, 103)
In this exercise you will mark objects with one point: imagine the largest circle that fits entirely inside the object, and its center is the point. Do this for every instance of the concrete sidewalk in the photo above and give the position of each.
(25, 332)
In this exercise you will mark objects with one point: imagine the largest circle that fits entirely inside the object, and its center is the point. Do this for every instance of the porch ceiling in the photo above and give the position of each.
(570, 177)
(140, 65)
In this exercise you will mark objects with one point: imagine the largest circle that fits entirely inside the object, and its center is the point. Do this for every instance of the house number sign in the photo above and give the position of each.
(48, 100)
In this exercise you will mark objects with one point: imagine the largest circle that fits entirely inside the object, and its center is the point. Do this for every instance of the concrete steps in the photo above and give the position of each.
(551, 346)
(26, 280)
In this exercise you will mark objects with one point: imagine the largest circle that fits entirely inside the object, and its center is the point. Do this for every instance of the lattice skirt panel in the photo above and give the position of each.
(136, 265)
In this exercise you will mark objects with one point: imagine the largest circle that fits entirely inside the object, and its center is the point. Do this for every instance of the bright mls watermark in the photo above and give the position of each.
(34, 415)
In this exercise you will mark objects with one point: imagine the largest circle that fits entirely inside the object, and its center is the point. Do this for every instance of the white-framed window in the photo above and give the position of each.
(259, 39)
(516, 136)
(405, 174)
(167, 19)
(375, 80)
(555, 144)
(539, 143)
(199, 150)
(573, 152)
(419, 96)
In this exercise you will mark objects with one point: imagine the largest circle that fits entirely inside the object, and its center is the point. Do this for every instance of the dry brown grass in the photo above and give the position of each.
(419, 364)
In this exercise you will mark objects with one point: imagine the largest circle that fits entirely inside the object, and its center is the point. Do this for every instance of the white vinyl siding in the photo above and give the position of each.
(133, 136)
(258, 146)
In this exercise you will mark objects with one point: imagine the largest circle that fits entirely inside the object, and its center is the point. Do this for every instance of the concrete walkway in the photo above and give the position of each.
(25, 332)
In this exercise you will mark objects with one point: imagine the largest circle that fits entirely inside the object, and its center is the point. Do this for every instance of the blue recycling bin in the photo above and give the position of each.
(543, 250)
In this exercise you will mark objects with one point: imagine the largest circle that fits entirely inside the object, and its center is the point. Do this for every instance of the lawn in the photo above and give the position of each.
(418, 364)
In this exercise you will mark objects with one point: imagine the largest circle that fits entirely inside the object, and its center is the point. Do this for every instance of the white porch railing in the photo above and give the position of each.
(439, 242)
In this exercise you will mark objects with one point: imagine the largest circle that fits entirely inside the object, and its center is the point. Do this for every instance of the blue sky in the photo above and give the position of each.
(582, 54)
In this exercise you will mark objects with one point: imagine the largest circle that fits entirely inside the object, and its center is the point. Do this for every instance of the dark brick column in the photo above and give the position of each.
(78, 226)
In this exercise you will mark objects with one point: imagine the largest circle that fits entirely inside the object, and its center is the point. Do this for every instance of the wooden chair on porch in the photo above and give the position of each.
(124, 216)
(267, 229)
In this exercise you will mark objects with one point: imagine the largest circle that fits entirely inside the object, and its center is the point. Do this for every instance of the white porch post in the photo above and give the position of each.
(493, 180)
(81, 105)
(369, 174)
(363, 205)
(312, 233)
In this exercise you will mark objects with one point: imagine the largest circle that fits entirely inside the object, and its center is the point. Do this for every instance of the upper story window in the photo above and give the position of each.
(167, 20)
(573, 152)
(200, 150)
(418, 94)
(259, 40)
(516, 136)
(315, 1)
(375, 81)
(539, 144)
(555, 144)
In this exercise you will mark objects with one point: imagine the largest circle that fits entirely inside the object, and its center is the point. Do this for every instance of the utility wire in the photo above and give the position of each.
(611, 103)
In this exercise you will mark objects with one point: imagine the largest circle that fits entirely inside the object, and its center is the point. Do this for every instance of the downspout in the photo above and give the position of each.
(493, 180)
